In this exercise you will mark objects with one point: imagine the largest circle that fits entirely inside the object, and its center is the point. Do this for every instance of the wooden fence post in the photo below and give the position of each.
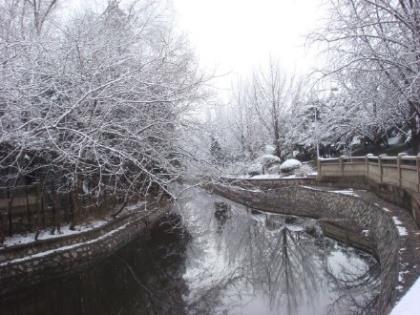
(318, 162)
(381, 170)
(399, 169)
(42, 196)
(38, 206)
(9, 211)
(341, 165)
(418, 171)
(2, 224)
(367, 165)
(28, 209)
(399, 162)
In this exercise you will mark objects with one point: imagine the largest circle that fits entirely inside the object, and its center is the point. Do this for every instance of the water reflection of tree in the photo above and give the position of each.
(358, 290)
(288, 267)
(281, 263)
(143, 278)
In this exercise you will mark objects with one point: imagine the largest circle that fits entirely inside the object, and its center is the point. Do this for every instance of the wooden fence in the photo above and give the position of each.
(32, 208)
(401, 170)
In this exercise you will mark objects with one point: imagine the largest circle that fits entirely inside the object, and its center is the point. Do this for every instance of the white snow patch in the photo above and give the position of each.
(269, 159)
(401, 229)
(310, 187)
(410, 303)
(348, 192)
(270, 149)
(294, 227)
(290, 164)
(408, 137)
(20, 239)
(339, 262)
(355, 141)
(401, 275)
(267, 176)
(399, 287)
(62, 249)
(290, 176)
(394, 140)
(136, 206)
(397, 220)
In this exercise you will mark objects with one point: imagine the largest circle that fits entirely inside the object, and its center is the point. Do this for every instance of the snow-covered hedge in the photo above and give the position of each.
(269, 159)
(290, 165)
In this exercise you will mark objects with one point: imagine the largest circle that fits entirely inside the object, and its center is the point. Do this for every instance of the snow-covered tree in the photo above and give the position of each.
(373, 56)
(258, 114)
(97, 100)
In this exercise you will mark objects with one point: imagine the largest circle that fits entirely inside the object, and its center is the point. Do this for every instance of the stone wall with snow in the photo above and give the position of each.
(29, 264)
(395, 249)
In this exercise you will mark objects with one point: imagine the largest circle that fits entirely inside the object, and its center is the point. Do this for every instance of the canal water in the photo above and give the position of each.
(216, 257)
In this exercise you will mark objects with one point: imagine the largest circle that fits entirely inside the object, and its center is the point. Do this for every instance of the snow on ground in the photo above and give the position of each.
(290, 176)
(348, 192)
(410, 303)
(401, 273)
(267, 176)
(136, 206)
(401, 229)
(65, 230)
(63, 248)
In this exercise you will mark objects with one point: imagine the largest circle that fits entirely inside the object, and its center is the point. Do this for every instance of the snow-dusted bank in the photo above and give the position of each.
(27, 262)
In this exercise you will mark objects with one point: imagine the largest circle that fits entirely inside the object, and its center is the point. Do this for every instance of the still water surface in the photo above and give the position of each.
(239, 261)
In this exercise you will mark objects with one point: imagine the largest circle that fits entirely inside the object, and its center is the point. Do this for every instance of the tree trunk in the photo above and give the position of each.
(415, 135)
(277, 136)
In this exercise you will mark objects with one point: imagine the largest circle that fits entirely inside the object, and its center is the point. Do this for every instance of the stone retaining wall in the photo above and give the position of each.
(268, 183)
(401, 196)
(397, 271)
(31, 263)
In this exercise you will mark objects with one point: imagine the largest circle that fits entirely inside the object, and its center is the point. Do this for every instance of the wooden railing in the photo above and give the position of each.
(402, 170)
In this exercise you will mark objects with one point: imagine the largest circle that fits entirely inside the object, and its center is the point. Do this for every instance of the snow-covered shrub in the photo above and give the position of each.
(268, 159)
(275, 169)
(305, 170)
(269, 149)
(255, 169)
(290, 165)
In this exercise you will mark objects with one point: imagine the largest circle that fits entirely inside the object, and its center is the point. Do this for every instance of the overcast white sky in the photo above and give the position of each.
(236, 36)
